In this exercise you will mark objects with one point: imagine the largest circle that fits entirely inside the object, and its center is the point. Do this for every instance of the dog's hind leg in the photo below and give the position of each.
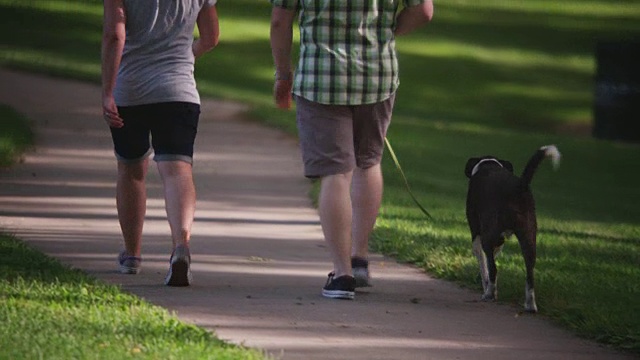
(491, 291)
(527, 242)
(482, 261)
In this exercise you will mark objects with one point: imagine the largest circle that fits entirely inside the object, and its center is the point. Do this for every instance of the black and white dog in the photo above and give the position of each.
(500, 204)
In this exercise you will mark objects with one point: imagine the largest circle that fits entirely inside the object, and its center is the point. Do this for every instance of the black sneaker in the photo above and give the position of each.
(360, 269)
(343, 287)
(179, 267)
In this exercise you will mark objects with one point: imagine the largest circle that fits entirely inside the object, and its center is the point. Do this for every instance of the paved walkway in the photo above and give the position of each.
(259, 261)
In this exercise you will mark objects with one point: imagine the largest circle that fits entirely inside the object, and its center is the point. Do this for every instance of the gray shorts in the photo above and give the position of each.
(335, 139)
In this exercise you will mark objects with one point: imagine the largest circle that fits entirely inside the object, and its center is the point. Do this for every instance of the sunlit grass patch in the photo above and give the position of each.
(51, 311)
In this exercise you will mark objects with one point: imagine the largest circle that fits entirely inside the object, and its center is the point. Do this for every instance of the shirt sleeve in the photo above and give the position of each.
(285, 4)
(208, 3)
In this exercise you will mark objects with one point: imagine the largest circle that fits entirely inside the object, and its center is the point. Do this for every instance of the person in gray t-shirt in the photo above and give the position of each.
(149, 92)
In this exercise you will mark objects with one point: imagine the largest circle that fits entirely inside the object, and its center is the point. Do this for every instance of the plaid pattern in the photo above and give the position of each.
(347, 50)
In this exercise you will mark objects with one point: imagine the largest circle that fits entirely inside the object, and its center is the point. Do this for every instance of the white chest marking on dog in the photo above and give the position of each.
(475, 168)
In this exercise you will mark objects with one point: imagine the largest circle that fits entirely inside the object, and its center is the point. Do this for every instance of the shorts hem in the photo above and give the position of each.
(124, 160)
(173, 157)
(327, 172)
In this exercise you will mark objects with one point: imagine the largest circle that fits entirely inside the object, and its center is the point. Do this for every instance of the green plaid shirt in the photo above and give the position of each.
(347, 50)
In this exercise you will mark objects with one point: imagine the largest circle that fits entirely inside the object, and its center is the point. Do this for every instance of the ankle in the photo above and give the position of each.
(341, 274)
(131, 253)
(359, 262)
(181, 244)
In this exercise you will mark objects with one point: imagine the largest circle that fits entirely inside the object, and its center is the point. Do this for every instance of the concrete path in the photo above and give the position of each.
(259, 261)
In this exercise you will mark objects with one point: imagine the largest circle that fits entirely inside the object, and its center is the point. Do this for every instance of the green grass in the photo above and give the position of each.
(49, 311)
(493, 77)
(526, 65)
(15, 136)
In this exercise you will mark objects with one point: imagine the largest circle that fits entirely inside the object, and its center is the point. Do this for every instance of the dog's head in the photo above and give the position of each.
(474, 164)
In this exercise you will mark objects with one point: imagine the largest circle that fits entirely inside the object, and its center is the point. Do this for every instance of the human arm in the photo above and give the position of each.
(281, 35)
(414, 17)
(113, 37)
(209, 29)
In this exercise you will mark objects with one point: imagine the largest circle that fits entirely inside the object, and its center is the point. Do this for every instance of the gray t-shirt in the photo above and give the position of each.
(157, 61)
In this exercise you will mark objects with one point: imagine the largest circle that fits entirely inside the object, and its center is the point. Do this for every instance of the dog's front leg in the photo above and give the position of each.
(530, 300)
(482, 261)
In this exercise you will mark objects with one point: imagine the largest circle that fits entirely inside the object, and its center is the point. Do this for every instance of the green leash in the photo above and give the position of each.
(406, 183)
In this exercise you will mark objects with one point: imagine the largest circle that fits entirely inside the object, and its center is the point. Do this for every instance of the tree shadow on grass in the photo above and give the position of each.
(542, 31)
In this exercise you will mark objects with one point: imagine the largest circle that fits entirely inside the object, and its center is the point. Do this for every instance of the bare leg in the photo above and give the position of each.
(366, 195)
(180, 199)
(131, 202)
(335, 218)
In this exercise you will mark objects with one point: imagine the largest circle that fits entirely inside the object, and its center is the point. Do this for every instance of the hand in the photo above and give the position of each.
(110, 112)
(282, 93)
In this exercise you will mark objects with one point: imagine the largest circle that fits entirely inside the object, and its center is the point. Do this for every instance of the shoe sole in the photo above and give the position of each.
(129, 270)
(179, 274)
(339, 294)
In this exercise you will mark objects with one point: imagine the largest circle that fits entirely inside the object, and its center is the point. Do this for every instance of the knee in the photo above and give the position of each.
(132, 171)
(174, 169)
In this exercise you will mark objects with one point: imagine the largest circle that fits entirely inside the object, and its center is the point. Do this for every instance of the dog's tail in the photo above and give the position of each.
(550, 151)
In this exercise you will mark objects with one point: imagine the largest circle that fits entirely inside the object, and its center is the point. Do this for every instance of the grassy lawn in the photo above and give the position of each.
(493, 77)
(49, 311)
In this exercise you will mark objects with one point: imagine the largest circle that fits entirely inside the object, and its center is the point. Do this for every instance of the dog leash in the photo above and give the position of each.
(406, 182)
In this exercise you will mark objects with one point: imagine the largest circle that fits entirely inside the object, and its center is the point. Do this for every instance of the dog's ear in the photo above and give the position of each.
(470, 164)
(507, 165)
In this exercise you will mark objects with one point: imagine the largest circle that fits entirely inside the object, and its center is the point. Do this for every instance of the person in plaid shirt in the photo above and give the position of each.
(344, 88)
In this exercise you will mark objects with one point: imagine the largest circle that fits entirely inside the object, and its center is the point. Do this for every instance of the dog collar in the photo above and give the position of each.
(477, 167)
